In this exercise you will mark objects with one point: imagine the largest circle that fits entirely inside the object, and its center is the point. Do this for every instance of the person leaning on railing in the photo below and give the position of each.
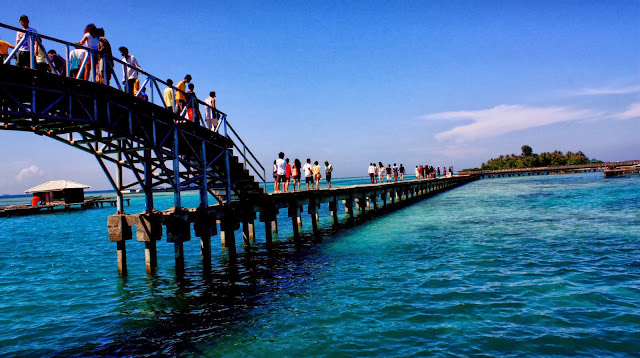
(76, 57)
(59, 64)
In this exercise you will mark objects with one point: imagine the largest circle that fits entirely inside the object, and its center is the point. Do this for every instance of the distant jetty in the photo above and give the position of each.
(54, 196)
(22, 210)
(609, 168)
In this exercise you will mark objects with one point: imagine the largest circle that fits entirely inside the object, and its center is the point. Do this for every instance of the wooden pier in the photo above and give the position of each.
(630, 166)
(359, 202)
(22, 210)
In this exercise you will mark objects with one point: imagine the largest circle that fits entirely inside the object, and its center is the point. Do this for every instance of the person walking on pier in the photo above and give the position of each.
(129, 73)
(24, 51)
(381, 172)
(316, 174)
(210, 113)
(105, 63)
(388, 170)
(76, 57)
(193, 110)
(372, 173)
(181, 97)
(308, 173)
(275, 175)
(287, 175)
(90, 39)
(394, 170)
(328, 168)
(295, 173)
(280, 171)
(401, 171)
(168, 95)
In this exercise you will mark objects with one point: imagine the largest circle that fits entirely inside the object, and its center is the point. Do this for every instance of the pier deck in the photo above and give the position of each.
(359, 202)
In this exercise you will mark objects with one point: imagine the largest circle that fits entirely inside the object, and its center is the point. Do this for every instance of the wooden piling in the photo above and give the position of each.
(333, 208)
(205, 227)
(293, 213)
(228, 227)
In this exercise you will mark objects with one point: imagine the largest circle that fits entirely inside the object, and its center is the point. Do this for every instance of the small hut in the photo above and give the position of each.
(59, 191)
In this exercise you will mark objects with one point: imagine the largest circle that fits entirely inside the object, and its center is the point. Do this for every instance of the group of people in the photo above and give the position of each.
(184, 100)
(426, 171)
(284, 173)
(101, 55)
(378, 173)
(381, 174)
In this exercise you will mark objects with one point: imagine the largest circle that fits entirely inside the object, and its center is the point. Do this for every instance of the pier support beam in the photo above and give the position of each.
(294, 212)
(119, 231)
(178, 231)
(248, 229)
(333, 208)
(348, 208)
(312, 208)
(148, 230)
(228, 225)
(268, 214)
(205, 227)
(300, 210)
(361, 205)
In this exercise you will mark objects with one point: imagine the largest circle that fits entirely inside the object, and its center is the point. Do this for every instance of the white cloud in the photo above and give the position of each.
(31, 171)
(492, 122)
(632, 112)
(607, 91)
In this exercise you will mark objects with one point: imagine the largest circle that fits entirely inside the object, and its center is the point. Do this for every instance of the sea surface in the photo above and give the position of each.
(514, 267)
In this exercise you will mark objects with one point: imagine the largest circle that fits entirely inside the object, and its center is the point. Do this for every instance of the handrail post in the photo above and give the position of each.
(176, 169)
(66, 68)
(32, 50)
(119, 195)
(92, 73)
(227, 166)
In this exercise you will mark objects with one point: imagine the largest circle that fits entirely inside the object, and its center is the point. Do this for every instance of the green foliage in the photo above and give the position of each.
(528, 159)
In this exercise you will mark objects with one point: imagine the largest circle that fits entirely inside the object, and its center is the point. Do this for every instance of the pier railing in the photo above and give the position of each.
(109, 77)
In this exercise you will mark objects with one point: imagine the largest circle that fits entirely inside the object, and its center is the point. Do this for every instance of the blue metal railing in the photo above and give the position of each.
(109, 77)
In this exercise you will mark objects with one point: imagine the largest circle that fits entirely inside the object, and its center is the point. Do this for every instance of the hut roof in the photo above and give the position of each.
(56, 185)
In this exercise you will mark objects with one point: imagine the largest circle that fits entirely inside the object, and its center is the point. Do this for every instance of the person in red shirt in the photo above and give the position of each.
(287, 174)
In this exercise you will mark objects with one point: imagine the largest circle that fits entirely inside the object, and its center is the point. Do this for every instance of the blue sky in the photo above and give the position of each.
(413, 82)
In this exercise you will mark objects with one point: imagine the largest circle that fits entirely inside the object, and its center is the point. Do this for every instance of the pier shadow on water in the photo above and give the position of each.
(177, 313)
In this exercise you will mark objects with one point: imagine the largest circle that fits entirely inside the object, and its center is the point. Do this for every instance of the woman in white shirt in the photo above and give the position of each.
(90, 40)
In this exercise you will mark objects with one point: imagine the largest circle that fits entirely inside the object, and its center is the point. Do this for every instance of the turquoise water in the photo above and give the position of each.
(526, 266)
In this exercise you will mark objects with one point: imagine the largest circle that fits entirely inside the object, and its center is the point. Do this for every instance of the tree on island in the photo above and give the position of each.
(528, 159)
